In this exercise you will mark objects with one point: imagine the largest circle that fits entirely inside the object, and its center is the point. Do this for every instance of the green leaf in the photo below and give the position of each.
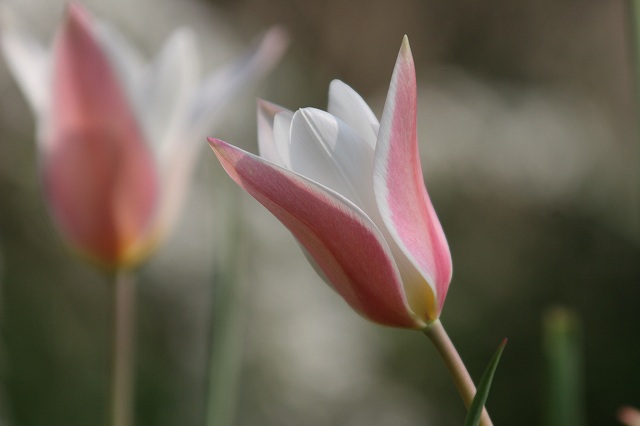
(563, 349)
(475, 411)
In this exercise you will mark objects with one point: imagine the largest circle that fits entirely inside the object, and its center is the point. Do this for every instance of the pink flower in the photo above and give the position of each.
(118, 138)
(629, 416)
(351, 191)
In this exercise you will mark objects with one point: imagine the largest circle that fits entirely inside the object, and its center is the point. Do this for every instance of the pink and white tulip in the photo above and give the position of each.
(118, 138)
(351, 191)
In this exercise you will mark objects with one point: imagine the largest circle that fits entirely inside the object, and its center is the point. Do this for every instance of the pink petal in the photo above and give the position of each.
(99, 176)
(400, 192)
(345, 244)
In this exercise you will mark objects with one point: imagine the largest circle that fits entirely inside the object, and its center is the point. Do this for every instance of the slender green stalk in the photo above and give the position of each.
(635, 53)
(467, 390)
(122, 334)
(227, 322)
(563, 349)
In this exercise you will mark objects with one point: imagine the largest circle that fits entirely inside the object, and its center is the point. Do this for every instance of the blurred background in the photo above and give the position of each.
(527, 127)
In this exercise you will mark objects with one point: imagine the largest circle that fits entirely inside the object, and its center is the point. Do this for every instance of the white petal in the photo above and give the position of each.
(164, 99)
(223, 85)
(346, 104)
(28, 61)
(326, 150)
(165, 91)
(266, 140)
(282, 137)
(201, 108)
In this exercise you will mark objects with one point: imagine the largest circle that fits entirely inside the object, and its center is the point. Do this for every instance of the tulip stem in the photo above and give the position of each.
(122, 332)
(467, 390)
(227, 325)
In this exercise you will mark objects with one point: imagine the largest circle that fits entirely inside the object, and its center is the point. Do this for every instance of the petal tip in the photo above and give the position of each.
(337, 86)
(268, 108)
(405, 49)
(214, 143)
(77, 20)
(75, 12)
(227, 154)
(273, 44)
(278, 35)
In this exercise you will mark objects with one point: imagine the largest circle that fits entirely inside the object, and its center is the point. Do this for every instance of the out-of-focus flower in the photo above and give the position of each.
(117, 137)
(351, 191)
(629, 416)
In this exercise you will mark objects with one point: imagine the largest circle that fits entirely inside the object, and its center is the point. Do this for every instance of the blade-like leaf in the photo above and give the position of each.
(475, 411)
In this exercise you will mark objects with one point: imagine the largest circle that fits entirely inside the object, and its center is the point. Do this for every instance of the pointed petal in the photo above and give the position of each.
(345, 244)
(162, 98)
(202, 110)
(99, 177)
(328, 151)
(126, 60)
(400, 192)
(231, 80)
(28, 61)
(346, 104)
(165, 90)
(266, 139)
(282, 136)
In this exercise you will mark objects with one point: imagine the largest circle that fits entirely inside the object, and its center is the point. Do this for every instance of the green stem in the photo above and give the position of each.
(467, 390)
(635, 52)
(563, 349)
(226, 322)
(122, 333)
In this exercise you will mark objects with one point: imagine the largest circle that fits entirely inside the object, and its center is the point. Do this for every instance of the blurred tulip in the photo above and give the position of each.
(351, 191)
(629, 416)
(118, 138)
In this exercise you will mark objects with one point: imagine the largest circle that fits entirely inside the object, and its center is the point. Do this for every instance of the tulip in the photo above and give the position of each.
(350, 189)
(628, 416)
(117, 138)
